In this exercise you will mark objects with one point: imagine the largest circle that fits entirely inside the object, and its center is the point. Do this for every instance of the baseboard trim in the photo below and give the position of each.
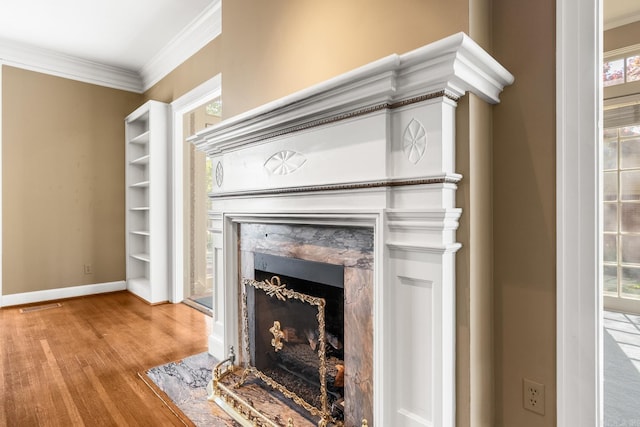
(62, 293)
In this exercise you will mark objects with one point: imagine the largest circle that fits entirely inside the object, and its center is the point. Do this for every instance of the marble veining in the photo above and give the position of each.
(351, 247)
(184, 382)
(348, 246)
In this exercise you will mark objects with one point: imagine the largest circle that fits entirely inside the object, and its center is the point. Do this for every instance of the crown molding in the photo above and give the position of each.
(67, 66)
(204, 28)
(619, 22)
(447, 68)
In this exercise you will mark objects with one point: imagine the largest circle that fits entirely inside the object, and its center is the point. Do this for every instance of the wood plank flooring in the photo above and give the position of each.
(77, 364)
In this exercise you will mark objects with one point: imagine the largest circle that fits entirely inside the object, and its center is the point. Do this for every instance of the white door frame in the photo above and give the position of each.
(1, 237)
(578, 186)
(207, 91)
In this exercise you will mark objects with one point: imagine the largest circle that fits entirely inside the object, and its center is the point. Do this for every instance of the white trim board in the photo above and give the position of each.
(69, 67)
(1, 150)
(195, 35)
(578, 299)
(207, 91)
(62, 293)
(203, 29)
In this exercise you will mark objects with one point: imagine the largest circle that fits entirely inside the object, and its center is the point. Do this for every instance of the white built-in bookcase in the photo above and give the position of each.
(146, 140)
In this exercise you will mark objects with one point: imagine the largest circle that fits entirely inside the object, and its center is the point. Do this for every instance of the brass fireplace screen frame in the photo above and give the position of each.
(230, 400)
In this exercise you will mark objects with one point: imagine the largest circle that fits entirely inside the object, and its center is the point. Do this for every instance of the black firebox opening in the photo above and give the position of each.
(296, 365)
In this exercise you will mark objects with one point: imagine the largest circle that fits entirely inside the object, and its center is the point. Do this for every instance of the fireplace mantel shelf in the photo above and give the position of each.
(373, 150)
(451, 66)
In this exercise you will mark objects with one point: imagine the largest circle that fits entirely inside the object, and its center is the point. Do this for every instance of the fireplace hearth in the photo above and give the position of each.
(358, 172)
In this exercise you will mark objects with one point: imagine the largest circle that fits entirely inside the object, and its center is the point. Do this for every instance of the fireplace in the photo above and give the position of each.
(357, 172)
(295, 326)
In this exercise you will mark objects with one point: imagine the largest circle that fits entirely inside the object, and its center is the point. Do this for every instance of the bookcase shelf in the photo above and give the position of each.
(146, 139)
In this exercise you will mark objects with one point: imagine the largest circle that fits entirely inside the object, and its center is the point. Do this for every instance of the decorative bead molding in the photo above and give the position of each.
(449, 68)
(449, 179)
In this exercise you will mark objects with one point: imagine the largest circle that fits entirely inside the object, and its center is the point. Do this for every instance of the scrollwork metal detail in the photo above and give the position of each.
(278, 335)
(274, 288)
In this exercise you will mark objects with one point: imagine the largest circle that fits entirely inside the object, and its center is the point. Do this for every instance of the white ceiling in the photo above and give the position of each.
(620, 12)
(124, 43)
(121, 33)
(94, 38)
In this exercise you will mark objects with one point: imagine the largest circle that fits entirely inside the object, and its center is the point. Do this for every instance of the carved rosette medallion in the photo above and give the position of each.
(219, 174)
(284, 162)
(414, 142)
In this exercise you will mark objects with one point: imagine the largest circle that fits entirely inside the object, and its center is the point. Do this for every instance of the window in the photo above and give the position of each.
(617, 69)
(621, 211)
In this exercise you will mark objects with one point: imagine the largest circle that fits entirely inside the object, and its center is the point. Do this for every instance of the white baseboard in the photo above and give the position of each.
(61, 293)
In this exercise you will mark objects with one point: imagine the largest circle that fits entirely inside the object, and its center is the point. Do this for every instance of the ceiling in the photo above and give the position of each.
(122, 36)
(121, 33)
(125, 43)
(620, 12)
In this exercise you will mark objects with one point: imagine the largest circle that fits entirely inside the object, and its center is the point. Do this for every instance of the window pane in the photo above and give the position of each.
(613, 72)
(610, 133)
(630, 185)
(630, 282)
(610, 153)
(630, 249)
(610, 282)
(630, 131)
(610, 220)
(633, 68)
(629, 217)
(610, 248)
(629, 153)
(610, 192)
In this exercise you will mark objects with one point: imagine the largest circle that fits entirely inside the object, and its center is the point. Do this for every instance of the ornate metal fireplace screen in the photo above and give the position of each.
(279, 337)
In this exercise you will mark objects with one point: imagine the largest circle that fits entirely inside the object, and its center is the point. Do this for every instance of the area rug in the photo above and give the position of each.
(182, 387)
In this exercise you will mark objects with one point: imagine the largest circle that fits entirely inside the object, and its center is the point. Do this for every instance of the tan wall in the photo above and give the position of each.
(524, 209)
(506, 292)
(63, 181)
(617, 38)
(626, 35)
(271, 49)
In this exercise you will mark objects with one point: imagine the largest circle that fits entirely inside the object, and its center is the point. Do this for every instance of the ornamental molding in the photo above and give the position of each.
(195, 35)
(414, 141)
(450, 179)
(446, 69)
(284, 162)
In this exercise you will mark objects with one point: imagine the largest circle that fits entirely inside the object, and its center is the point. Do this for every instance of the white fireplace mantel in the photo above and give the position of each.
(374, 147)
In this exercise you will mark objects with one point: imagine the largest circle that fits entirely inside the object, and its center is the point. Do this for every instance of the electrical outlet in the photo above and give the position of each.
(87, 269)
(533, 396)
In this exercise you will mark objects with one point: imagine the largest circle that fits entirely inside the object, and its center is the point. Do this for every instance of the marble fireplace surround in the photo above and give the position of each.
(352, 248)
(372, 148)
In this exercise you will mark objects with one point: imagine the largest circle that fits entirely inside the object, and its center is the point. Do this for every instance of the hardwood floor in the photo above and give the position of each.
(77, 364)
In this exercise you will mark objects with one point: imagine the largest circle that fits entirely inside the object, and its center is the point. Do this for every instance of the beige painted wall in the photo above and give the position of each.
(524, 209)
(506, 292)
(617, 38)
(63, 181)
(626, 35)
(270, 49)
